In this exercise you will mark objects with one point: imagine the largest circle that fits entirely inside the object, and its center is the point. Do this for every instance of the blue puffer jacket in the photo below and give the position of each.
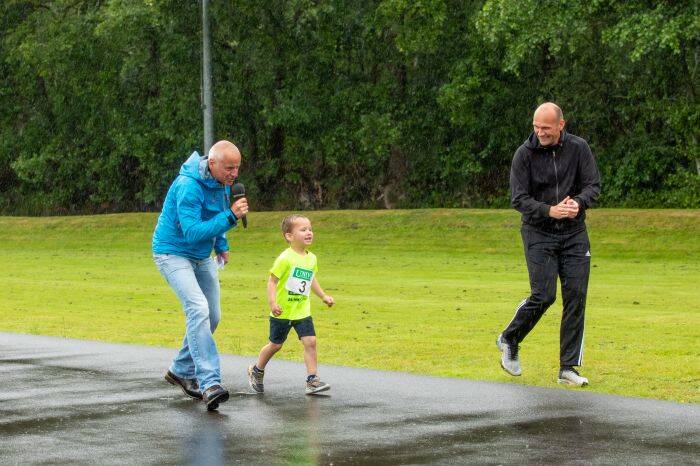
(196, 214)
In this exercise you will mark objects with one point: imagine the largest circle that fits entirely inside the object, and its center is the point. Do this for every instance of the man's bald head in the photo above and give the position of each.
(224, 162)
(221, 148)
(550, 109)
(548, 123)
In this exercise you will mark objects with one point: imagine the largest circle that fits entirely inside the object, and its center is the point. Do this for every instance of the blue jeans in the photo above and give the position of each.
(196, 284)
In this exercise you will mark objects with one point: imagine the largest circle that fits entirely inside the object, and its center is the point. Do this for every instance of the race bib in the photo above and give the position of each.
(299, 281)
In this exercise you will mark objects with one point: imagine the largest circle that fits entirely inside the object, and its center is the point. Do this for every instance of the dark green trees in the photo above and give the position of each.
(342, 104)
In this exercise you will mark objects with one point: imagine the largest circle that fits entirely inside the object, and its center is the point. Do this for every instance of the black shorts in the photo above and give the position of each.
(279, 328)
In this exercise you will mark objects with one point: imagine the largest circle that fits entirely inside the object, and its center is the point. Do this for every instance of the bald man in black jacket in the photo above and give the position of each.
(553, 180)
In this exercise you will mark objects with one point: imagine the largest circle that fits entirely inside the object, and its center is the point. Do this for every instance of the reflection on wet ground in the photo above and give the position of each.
(73, 402)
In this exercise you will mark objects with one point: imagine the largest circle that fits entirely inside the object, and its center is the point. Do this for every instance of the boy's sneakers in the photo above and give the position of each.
(314, 385)
(255, 379)
(509, 356)
(570, 376)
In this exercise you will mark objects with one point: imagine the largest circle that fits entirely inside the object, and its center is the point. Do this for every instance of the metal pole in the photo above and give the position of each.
(207, 105)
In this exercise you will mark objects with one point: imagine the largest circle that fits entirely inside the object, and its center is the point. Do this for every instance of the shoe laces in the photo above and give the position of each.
(314, 381)
(513, 351)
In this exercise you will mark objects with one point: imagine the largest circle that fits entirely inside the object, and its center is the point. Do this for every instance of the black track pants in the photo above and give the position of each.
(550, 255)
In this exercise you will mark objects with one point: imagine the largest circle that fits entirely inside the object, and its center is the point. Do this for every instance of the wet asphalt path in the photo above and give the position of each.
(75, 402)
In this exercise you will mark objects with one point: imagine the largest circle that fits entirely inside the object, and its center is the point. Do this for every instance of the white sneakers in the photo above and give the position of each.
(571, 377)
(509, 356)
(510, 362)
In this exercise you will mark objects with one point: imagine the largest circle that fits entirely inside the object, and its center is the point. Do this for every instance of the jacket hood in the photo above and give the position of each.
(534, 144)
(196, 167)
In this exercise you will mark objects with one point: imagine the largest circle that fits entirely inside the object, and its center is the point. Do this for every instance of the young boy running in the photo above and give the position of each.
(292, 278)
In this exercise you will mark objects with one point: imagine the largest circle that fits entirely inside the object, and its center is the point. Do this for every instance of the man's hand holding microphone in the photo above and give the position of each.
(240, 208)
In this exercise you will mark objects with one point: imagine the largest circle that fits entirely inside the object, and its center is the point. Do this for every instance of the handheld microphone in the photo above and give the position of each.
(239, 192)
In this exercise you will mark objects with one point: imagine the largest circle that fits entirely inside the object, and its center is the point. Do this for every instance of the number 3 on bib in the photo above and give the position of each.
(299, 281)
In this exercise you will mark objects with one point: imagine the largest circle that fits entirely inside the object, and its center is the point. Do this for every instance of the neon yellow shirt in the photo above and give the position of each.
(295, 273)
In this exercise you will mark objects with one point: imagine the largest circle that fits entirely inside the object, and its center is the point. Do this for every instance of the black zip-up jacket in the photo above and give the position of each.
(541, 177)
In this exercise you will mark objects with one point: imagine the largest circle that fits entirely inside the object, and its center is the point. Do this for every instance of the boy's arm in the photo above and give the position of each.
(272, 295)
(318, 291)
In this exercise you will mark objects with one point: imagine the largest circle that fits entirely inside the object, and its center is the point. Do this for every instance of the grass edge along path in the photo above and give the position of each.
(422, 291)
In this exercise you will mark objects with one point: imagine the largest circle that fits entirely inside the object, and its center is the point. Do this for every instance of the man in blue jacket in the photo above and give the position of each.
(196, 215)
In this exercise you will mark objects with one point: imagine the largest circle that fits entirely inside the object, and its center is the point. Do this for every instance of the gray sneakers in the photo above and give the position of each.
(315, 386)
(510, 362)
(570, 376)
(255, 379)
(509, 356)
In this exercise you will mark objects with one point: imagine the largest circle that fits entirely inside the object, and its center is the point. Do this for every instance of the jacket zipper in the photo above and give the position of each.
(556, 175)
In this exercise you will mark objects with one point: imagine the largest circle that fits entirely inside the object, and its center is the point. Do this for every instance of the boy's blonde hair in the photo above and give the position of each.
(288, 223)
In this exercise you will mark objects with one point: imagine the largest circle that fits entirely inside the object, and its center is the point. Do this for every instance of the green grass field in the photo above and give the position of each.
(423, 291)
